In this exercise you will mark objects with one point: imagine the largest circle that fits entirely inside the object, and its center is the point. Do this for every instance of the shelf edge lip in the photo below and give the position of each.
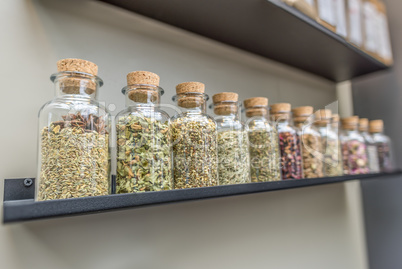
(28, 210)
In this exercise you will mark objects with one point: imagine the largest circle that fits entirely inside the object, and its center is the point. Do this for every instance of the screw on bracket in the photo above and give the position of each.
(28, 182)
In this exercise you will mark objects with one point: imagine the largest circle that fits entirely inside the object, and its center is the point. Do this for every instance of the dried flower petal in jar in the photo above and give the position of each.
(311, 142)
(289, 142)
(233, 146)
(353, 148)
(194, 138)
(144, 161)
(74, 152)
(262, 135)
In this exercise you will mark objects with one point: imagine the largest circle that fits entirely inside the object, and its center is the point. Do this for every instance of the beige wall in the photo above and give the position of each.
(311, 228)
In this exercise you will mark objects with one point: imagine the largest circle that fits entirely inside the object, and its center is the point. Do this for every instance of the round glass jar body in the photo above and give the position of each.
(354, 152)
(372, 154)
(289, 146)
(311, 147)
(264, 150)
(331, 150)
(144, 152)
(194, 140)
(233, 146)
(74, 148)
(385, 157)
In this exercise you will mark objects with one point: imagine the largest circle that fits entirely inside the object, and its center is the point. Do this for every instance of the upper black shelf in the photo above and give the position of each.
(265, 27)
(19, 204)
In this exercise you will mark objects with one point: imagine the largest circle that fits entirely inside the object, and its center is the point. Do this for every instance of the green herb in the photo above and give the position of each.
(195, 152)
(143, 155)
(332, 157)
(264, 156)
(233, 156)
(74, 158)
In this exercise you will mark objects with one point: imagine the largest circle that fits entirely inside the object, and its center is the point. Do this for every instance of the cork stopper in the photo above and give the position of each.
(225, 97)
(302, 113)
(363, 125)
(376, 126)
(350, 123)
(193, 91)
(73, 85)
(280, 107)
(225, 103)
(322, 116)
(257, 106)
(142, 93)
(255, 102)
(186, 87)
(77, 65)
(335, 118)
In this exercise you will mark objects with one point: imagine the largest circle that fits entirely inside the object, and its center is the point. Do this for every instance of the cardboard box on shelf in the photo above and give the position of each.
(326, 13)
(340, 18)
(354, 22)
(384, 48)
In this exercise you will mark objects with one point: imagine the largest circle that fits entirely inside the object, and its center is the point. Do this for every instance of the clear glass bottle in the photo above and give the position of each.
(233, 146)
(144, 152)
(194, 138)
(335, 127)
(310, 139)
(383, 143)
(263, 139)
(74, 149)
(289, 142)
(354, 152)
(371, 147)
(329, 143)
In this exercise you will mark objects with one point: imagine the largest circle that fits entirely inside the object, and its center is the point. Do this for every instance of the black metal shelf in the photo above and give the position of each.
(269, 28)
(19, 204)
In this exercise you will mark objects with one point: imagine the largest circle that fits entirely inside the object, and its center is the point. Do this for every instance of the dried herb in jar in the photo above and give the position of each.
(74, 158)
(354, 157)
(195, 152)
(384, 157)
(264, 161)
(291, 159)
(143, 155)
(234, 163)
(332, 157)
(312, 163)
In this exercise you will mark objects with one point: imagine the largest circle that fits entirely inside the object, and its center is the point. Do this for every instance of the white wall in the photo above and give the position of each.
(311, 228)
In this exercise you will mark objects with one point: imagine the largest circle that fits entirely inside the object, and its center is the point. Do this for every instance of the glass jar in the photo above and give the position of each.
(383, 144)
(262, 135)
(353, 148)
(289, 142)
(310, 140)
(144, 161)
(74, 150)
(233, 146)
(372, 154)
(329, 143)
(335, 127)
(194, 138)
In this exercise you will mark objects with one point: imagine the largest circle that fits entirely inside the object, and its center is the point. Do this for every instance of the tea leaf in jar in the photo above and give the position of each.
(195, 153)
(74, 158)
(264, 156)
(144, 159)
(233, 157)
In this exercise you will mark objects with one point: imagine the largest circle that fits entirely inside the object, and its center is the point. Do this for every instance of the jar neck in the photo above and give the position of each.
(76, 85)
(192, 103)
(142, 97)
(282, 119)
